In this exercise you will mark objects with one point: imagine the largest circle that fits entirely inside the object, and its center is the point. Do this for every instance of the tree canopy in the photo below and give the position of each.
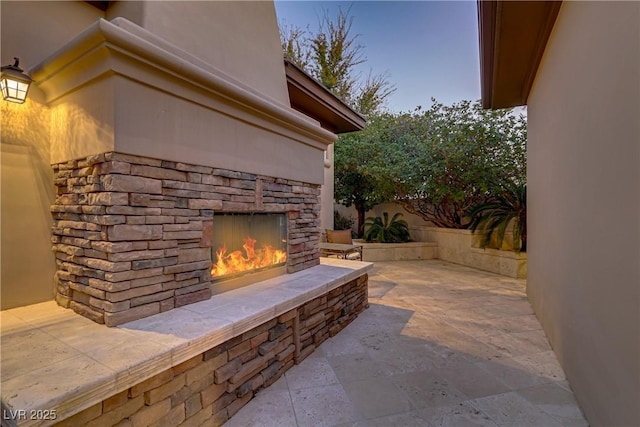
(360, 178)
(331, 54)
(437, 163)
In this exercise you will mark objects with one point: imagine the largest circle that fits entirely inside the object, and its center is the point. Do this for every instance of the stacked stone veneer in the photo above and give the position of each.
(211, 387)
(132, 235)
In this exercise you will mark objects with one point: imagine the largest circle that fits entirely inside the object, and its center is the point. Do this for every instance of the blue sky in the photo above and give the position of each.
(428, 48)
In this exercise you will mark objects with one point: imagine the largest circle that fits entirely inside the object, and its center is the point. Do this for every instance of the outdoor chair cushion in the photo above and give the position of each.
(339, 236)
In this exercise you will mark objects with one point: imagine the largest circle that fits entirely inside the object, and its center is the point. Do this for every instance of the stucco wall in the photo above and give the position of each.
(378, 210)
(27, 191)
(584, 204)
(230, 35)
(27, 264)
(149, 122)
(33, 30)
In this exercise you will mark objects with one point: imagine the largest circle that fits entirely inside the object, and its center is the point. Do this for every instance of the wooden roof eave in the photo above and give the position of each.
(316, 101)
(513, 36)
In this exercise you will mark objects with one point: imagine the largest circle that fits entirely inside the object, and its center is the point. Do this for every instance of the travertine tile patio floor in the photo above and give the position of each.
(440, 345)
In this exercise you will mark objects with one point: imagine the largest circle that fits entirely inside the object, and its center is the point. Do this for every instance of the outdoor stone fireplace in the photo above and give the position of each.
(156, 154)
(135, 236)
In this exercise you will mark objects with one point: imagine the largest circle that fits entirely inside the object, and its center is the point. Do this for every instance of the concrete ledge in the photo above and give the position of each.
(45, 346)
(397, 251)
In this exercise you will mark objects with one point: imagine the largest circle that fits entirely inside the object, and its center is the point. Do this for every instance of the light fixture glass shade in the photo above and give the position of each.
(14, 84)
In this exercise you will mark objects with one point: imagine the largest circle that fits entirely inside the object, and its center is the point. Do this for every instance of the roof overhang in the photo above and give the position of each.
(102, 5)
(513, 36)
(316, 101)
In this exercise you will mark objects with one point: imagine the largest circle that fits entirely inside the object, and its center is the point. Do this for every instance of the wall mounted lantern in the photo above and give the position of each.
(14, 83)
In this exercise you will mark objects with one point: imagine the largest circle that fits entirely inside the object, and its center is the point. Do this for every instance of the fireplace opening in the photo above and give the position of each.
(247, 243)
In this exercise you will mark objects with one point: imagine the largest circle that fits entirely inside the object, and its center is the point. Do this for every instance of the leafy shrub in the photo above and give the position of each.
(436, 163)
(381, 230)
(494, 216)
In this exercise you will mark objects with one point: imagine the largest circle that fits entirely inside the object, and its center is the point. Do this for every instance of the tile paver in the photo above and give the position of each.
(440, 345)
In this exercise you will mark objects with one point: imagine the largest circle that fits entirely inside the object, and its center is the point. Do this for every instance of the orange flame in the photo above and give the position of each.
(237, 262)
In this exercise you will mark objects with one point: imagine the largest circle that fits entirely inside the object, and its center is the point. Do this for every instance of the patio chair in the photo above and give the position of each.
(340, 244)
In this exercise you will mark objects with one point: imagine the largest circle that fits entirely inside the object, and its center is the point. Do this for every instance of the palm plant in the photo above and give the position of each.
(493, 216)
(381, 230)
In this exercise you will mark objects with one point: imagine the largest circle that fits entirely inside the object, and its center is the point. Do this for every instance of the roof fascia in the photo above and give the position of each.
(513, 36)
(313, 99)
(103, 5)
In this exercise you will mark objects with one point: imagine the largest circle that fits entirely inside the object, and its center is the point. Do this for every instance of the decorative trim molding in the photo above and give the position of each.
(122, 48)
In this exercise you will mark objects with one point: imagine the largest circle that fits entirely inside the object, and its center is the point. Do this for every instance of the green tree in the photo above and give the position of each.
(294, 45)
(447, 159)
(360, 177)
(331, 55)
(436, 163)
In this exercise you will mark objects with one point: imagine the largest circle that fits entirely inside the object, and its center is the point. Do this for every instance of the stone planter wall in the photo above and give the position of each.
(132, 235)
(397, 251)
(211, 387)
(461, 247)
(325, 316)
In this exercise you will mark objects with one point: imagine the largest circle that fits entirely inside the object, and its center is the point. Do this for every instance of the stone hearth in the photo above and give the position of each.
(196, 364)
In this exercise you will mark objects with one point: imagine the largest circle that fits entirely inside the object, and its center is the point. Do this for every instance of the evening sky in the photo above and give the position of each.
(427, 48)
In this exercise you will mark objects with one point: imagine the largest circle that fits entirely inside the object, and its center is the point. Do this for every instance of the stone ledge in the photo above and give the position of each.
(43, 343)
(500, 253)
(397, 251)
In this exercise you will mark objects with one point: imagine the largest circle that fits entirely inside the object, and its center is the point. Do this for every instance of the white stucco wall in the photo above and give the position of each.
(584, 204)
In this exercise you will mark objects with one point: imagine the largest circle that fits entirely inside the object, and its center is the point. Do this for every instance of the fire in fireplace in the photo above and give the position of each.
(244, 243)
